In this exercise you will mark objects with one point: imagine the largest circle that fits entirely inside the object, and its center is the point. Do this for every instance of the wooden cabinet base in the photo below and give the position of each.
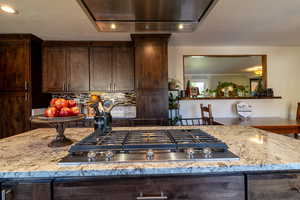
(171, 188)
(12, 190)
(274, 187)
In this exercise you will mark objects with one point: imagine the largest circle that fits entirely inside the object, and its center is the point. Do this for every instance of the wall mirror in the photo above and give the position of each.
(225, 76)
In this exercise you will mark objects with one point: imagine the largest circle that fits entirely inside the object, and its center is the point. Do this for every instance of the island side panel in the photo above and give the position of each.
(176, 188)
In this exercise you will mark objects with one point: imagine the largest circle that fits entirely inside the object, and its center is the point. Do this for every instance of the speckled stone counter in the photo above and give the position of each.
(27, 155)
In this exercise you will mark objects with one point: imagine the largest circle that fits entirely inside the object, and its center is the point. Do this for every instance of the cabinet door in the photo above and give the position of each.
(101, 68)
(54, 69)
(26, 190)
(15, 112)
(78, 69)
(14, 65)
(151, 64)
(152, 104)
(173, 188)
(274, 187)
(123, 71)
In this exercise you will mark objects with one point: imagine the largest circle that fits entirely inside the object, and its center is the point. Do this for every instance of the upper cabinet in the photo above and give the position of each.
(123, 69)
(151, 63)
(66, 69)
(101, 68)
(78, 69)
(14, 64)
(54, 69)
(92, 67)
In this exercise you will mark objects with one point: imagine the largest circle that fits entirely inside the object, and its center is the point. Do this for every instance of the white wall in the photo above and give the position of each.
(283, 76)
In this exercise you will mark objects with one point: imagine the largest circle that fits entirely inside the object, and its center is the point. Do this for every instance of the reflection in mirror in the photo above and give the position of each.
(225, 76)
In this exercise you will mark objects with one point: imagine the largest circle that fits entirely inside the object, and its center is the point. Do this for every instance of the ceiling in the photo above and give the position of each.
(220, 65)
(231, 22)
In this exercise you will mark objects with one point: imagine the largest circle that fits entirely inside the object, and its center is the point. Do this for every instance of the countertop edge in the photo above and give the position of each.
(152, 171)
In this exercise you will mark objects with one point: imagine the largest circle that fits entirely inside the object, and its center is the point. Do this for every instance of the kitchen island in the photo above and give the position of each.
(267, 167)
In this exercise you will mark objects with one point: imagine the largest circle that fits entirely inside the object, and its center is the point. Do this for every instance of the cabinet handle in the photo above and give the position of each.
(142, 197)
(26, 96)
(26, 85)
(68, 88)
(5, 192)
(110, 86)
(115, 87)
(64, 87)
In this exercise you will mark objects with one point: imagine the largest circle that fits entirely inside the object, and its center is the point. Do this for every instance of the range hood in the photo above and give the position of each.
(147, 15)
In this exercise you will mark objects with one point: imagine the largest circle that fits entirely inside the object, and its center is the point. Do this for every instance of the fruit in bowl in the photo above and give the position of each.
(71, 103)
(60, 103)
(51, 112)
(65, 112)
(60, 107)
(75, 110)
(52, 102)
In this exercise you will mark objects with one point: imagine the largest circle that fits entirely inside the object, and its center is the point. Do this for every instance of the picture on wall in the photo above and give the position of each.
(253, 84)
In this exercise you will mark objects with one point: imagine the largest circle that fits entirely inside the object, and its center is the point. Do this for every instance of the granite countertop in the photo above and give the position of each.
(27, 155)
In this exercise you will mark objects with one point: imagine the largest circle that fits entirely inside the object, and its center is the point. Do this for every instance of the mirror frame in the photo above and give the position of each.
(264, 59)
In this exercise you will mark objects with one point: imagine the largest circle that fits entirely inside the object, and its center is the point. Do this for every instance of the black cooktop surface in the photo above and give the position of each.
(150, 139)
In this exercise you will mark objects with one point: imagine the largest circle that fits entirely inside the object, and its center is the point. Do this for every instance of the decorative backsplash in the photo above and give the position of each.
(123, 99)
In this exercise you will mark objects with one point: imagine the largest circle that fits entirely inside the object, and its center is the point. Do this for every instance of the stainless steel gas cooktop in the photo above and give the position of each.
(148, 146)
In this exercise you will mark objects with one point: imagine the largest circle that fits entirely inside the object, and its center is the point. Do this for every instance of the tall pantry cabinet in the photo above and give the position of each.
(20, 61)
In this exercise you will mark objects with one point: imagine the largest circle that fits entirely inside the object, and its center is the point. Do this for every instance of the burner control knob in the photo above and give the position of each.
(207, 152)
(190, 153)
(109, 155)
(150, 155)
(91, 156)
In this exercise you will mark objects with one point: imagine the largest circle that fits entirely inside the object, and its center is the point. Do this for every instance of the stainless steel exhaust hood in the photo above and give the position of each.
(147, 15)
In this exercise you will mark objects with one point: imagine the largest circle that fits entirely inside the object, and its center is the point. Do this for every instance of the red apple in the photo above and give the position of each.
(52, 102)
(75, 110)
(71, 103)
(51, 112)
(60, 103)
(65, 112)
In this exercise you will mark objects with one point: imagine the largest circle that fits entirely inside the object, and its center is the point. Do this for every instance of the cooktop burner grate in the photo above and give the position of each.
(173, 140)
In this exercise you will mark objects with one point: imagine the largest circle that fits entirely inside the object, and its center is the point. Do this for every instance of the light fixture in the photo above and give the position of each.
(113, 26)
(197, 57)
(180, 26)
(8, 9)
(257, 70)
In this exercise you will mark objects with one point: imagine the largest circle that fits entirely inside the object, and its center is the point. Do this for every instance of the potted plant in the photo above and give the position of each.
(173, 84)
(212, 93)
(240, 90)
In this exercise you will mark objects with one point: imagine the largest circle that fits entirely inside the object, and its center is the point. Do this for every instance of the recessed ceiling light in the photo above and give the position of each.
(8, 9)
(113, 26)
(180, 26)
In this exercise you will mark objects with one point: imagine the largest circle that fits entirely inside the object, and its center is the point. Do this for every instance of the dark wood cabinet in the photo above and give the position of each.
(78, 71)
(123, 69)
(23, 190)
(81, 67)
(54, 69)
(101, 68)
(274, 186)
(112, 69)
(20, 81)
(15, 109)
(14, 64)
(151, 63)
(171, 188)
(151, 76)
(152, 104)
(66, 69)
